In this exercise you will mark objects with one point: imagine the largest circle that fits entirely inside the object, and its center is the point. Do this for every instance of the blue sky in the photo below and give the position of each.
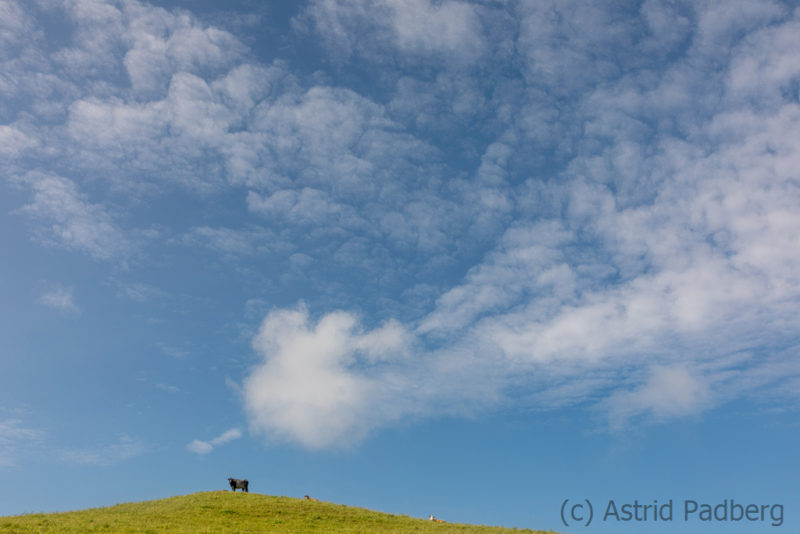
(450, 257)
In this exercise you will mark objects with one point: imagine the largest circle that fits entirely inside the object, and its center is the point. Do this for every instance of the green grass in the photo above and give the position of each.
(224, 511)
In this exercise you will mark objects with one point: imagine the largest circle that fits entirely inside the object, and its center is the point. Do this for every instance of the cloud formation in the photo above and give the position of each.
(675, 253)
(449, 30)
(668, 392)
(204, 447)
(322, 383)
(531, 202)
(71, 221)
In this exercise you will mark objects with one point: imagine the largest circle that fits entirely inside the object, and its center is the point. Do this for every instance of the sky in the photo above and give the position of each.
(475, 259)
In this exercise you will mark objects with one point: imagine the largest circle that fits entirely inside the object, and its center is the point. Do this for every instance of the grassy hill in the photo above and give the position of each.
(224, 511)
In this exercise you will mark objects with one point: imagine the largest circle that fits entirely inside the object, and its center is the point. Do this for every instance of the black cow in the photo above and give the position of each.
(237, 483)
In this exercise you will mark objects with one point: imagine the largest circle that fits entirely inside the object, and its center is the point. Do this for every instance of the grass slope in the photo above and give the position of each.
(224, 511)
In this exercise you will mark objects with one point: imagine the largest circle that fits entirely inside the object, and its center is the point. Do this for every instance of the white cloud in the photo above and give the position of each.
(113, 124)
(673, 255)
(154, 43)
(329, 134)
(450, 29)
(708, 267)
(251, 124)
(447, 104)
(200, 447)
(15, 27)
(720, 24)
(164, 43)
(764, 66)
(204, 447)
(13, 142)
(668, 392)
(60, 298)
(423, 27)
(528, 261)
(326, 383)
(202, 115)
(69, 220)
(92, 50)
(569, 45)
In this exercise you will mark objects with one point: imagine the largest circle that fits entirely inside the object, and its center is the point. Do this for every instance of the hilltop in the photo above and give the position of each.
(225, 511)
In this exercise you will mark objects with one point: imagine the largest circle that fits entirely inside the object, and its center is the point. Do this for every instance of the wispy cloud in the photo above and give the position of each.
(140, 292)
(13, 142)
(232, 243)
(68, 219)
(60, 298)
(124, 449)
(204, 447)
(668, 392)
(15, 437)
(172, 351)
(451, 29)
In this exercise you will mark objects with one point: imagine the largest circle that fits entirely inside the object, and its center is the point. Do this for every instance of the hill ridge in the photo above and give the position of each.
(225, 511)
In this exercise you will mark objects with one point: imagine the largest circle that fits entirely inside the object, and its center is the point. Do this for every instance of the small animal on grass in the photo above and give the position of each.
(237, 483)
(436, 519)
(311, 498)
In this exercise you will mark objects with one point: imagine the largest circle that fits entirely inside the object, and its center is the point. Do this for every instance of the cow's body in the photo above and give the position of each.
(237, 483)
